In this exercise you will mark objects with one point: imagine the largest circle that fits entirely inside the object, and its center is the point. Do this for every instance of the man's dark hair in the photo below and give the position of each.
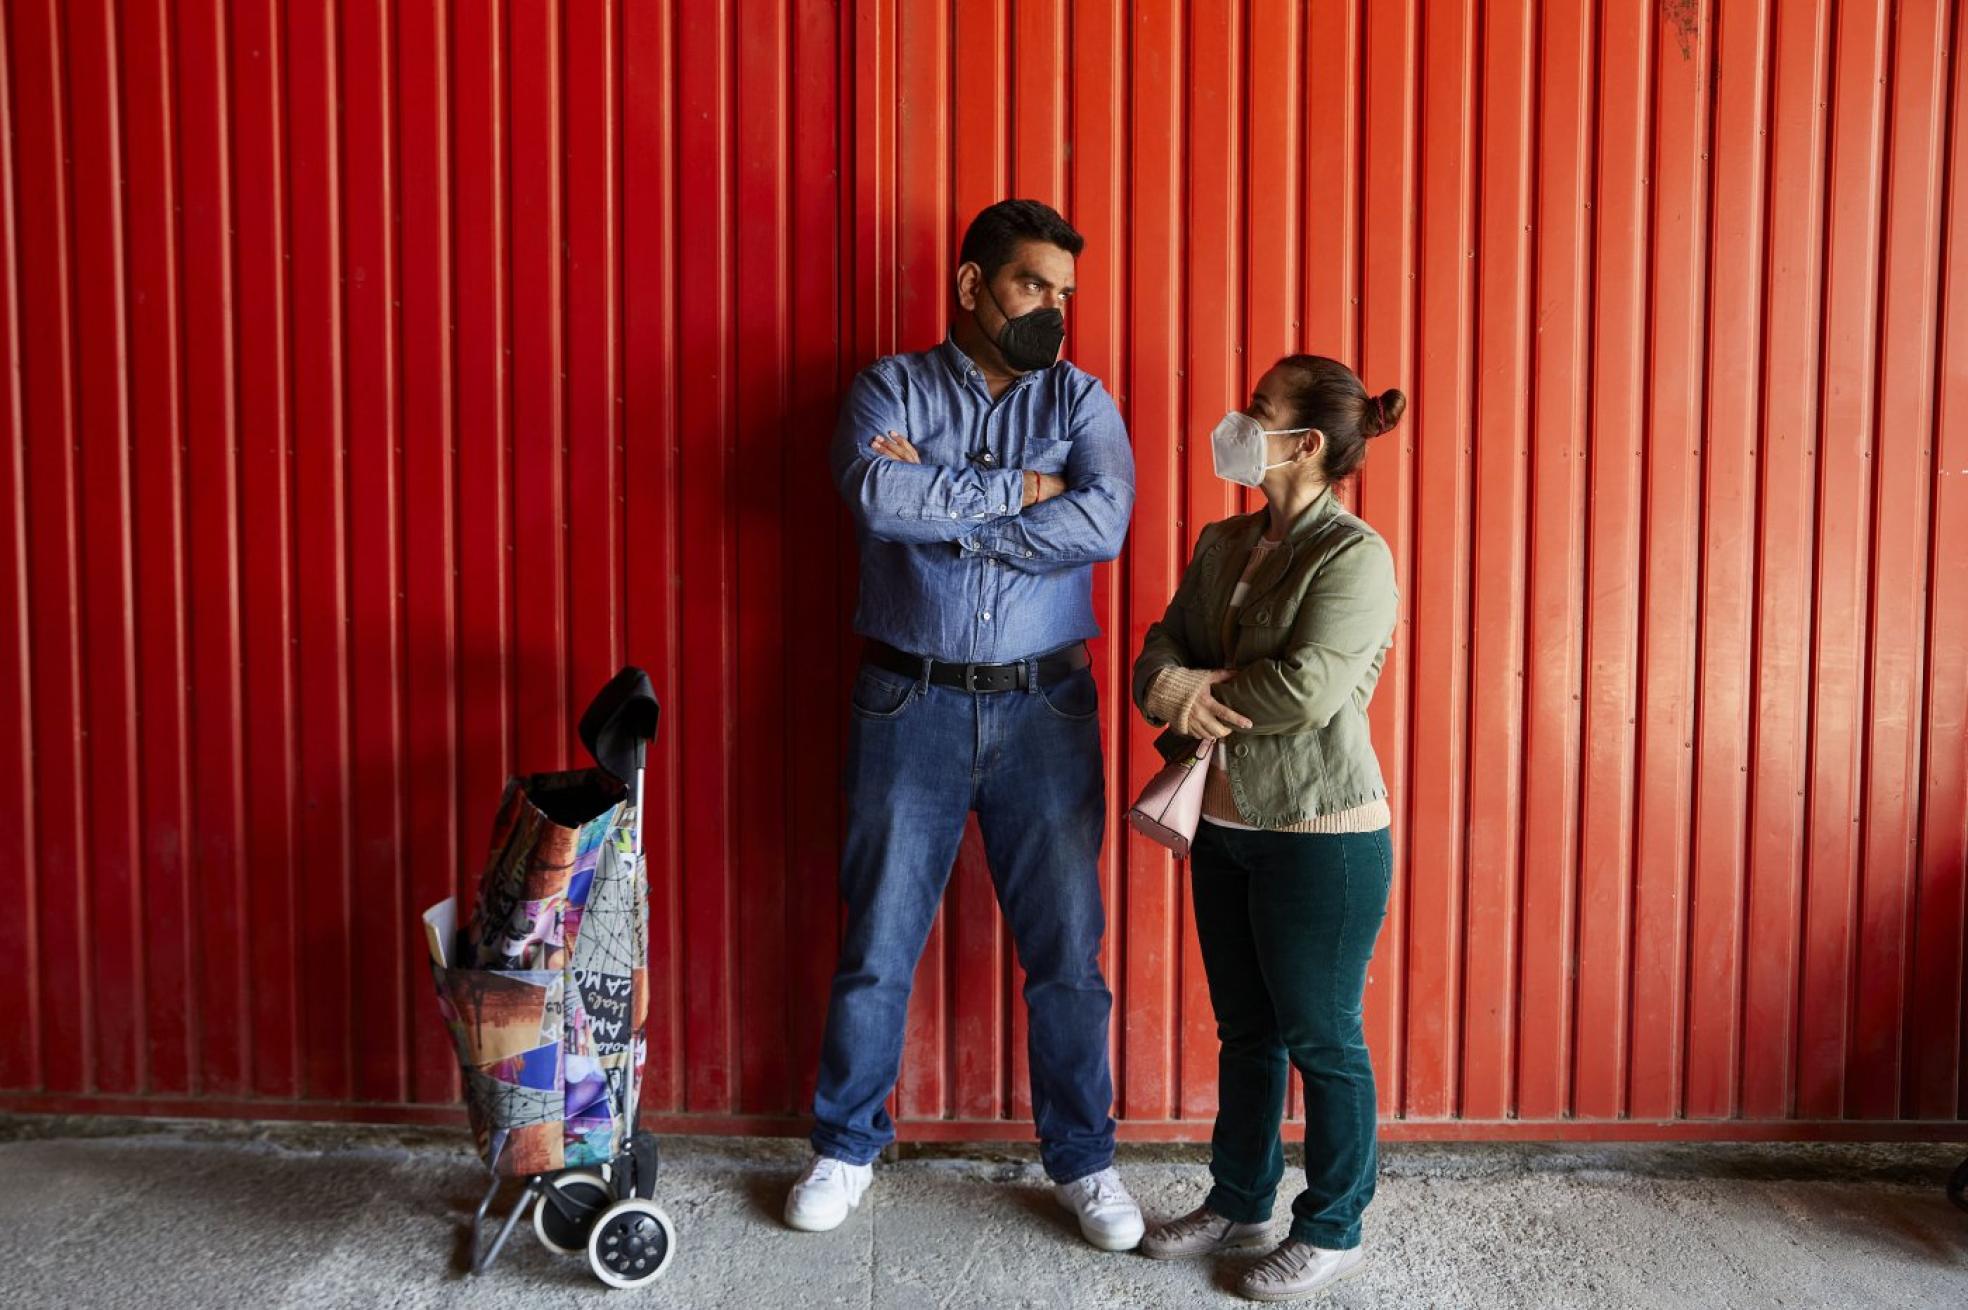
(998, 231)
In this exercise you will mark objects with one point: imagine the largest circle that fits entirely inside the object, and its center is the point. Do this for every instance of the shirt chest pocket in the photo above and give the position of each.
(1046, 456)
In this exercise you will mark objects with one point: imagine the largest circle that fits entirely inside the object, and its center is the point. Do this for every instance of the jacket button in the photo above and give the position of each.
(1264, 616)
(1241, 750)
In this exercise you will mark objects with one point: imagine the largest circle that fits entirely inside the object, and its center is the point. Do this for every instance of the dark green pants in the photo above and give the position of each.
(1287, 923)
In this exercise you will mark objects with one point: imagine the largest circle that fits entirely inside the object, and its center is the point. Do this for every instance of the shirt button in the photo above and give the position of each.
(1001, 509)
(953, 513)
(987, 616)
(988, 460)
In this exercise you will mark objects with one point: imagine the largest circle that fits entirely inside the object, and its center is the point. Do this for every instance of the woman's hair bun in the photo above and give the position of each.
(1382, 412)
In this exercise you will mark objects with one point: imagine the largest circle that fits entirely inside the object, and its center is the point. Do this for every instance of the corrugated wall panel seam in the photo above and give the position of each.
(1474, 117)
(1726, 171)
(1675, 526)
(430, 365)
(1388, 133)
(1866, 693)
(263, 385)
(42, 136)
(374, 563)
(20, 1061)
(1498, 576)
(1939, 1081)
(160, 578)
(1530, 197)
(105, 514)
(1699, 490)
(1601, 1009)
(1763, 232)
(1884, 145)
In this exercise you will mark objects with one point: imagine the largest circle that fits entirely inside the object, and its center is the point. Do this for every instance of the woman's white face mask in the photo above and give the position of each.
(1240, 447)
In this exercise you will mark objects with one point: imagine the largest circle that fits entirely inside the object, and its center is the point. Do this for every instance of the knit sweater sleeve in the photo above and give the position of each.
(1172, 697)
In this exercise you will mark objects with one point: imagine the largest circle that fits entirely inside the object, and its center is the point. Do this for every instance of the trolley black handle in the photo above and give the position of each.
(620, 722)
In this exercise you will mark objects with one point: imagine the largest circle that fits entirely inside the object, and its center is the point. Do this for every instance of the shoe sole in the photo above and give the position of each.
(1274, 1298)
(1113, 1243)
(814, 1225)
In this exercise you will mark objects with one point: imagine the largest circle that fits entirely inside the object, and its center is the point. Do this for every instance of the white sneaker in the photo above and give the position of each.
(825, 1193)
(1297, 1269)
(1108, 1216)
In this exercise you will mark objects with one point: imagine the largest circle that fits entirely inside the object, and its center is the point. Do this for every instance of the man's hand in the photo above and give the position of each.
(893, 445)
(1210, 717)
(1042, 487)
(1038, 486)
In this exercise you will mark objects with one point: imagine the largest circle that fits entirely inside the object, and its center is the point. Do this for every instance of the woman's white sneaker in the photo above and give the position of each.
(1108, 1216)
(1297, 1269)
(825, 1193)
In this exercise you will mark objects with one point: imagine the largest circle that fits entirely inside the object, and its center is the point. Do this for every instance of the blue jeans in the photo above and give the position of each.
(920, 759)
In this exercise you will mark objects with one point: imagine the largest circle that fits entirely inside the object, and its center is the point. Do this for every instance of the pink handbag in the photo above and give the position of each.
(1171, 805)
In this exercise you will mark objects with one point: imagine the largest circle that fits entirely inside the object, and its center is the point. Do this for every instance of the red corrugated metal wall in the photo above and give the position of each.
(378, 376)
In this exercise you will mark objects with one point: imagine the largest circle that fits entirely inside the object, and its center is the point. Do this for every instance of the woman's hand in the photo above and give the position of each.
(1210, 717)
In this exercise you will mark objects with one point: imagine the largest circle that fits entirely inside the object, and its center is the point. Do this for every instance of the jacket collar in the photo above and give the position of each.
(1252, 526)
(1250, 530)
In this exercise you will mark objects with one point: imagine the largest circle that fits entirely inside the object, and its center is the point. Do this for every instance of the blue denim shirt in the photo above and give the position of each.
(951, 566)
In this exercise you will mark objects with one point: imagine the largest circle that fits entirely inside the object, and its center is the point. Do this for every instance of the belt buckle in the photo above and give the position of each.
(989, 683)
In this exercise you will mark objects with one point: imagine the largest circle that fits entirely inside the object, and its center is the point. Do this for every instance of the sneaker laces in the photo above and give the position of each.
(1104, 1189)
(1200, 1222)
(1285, 1264)
(826, 1169)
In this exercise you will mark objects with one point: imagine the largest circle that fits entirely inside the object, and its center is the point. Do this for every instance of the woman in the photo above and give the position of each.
(1272, 646)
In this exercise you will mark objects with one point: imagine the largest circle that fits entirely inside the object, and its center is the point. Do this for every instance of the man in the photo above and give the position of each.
(986, 477)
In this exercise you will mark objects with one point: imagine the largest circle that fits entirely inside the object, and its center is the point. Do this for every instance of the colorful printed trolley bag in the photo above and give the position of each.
(546, 991)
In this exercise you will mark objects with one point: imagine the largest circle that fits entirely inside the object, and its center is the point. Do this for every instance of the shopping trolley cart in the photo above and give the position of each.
(545, 992)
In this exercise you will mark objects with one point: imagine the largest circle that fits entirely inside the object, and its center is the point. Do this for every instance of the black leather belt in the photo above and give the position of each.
(981, 677)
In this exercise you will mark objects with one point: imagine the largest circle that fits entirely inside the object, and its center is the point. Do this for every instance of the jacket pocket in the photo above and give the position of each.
(1268, 773)
(1262, 633)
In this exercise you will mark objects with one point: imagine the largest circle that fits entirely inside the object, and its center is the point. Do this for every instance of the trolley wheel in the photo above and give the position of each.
(632, 1243)
(1958, 1186)
(585, 1195)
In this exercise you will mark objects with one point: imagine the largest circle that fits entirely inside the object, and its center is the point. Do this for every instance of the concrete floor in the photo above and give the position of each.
(99, 1213)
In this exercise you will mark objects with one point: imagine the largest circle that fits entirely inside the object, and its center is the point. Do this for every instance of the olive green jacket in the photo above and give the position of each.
(1309, 645)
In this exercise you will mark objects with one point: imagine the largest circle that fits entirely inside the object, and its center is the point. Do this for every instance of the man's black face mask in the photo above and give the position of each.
(1030, 341)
